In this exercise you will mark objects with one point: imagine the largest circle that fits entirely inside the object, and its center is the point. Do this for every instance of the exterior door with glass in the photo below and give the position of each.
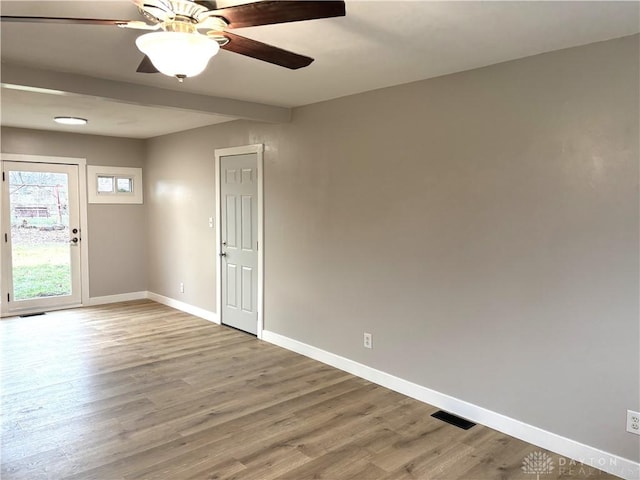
(41, 236)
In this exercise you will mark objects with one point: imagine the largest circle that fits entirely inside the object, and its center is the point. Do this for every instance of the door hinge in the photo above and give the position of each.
(3, 176)
(6, 239)
(8, 298)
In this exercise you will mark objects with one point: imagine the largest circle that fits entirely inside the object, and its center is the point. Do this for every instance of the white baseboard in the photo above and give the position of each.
(170, 302)
(184, 307)
(122, 297)
(566, 447)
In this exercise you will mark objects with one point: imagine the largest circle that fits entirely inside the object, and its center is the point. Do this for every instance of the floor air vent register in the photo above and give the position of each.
(453, 420)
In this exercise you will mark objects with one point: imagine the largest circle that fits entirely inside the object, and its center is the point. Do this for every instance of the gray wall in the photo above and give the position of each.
(483, 226)
(117, 233)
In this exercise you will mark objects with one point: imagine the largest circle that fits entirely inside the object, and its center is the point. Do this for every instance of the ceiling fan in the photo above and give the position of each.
(185, 34)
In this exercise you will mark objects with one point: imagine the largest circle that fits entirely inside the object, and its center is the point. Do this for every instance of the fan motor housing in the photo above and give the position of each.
(160, 11)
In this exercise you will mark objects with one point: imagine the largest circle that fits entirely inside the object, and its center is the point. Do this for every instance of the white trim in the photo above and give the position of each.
(567, 447)
(184, 307)
(19, 157)
(133, 173)
(84, 232)
(260, 161)
(81, 163)
(170, 302)
(258, 149)
(121, 297)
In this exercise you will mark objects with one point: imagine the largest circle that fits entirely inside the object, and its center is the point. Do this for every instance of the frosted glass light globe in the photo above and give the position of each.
(178, 54)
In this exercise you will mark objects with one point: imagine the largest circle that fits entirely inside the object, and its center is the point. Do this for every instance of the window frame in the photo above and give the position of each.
(133, 174)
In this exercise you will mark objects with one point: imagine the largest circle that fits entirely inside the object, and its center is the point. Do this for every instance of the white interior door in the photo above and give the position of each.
(41, 236)
(239, 241)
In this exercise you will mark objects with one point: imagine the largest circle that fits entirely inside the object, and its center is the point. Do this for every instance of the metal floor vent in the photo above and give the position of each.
(453, 420)
(32, 314)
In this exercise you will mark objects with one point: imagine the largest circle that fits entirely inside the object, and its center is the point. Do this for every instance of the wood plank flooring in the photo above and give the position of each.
(141, 391)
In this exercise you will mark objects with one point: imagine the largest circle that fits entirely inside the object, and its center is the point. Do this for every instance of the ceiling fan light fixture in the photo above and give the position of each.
(178, 54)
(70, 120)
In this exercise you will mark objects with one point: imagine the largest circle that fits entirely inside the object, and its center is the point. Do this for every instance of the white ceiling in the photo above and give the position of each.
(35, 110)
(377, 44)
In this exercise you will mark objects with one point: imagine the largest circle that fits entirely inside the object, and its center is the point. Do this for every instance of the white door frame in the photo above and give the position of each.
(84, 244)
(258, 149)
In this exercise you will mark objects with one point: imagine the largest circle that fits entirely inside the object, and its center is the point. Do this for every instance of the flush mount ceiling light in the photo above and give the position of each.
(71, 120)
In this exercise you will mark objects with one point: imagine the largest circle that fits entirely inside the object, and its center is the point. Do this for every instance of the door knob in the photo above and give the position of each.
(223, 254)
(74, 240)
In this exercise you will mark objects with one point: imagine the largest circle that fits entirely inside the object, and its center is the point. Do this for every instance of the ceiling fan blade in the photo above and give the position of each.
(280, 11)
(146, 66)
(64, 20)
(209, 5)
(266, 53)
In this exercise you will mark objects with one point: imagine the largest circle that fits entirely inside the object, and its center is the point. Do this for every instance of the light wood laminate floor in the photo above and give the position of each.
(141, 391)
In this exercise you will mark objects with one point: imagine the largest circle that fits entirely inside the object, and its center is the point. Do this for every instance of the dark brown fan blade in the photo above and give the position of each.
(206, 3)
(65, 20)
(266, 53)
(280, 11)
(146, 66)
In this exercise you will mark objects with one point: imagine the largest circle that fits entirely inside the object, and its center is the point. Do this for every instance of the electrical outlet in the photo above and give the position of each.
(633, 422)
(368, 340)
(181, 287)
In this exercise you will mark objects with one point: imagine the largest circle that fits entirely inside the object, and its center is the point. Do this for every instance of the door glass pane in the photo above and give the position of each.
(39, 203)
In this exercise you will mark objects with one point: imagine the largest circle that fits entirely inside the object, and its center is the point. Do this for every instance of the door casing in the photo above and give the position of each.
(258, 149)
(81, 163)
